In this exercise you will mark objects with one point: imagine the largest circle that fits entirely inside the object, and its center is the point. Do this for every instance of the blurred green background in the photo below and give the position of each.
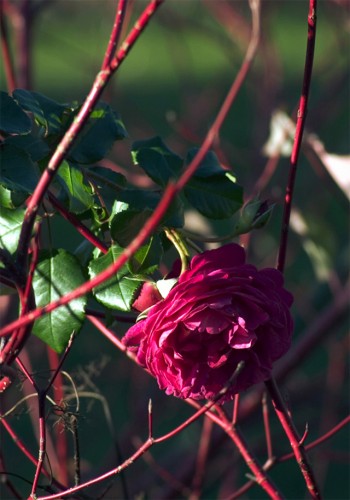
(172, 84)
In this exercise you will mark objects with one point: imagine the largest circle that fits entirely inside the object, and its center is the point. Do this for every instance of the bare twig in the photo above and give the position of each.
(293, 437)
(301, 118)
(115, 35)
(42, 424)
(321, 439)
(151, 441)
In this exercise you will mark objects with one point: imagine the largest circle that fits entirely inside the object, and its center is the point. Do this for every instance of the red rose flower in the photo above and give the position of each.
(221, 311)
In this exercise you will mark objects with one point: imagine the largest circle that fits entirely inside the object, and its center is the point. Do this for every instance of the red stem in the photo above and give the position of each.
(293, 437)
(110, 271)
(33, 411)
(235, 409)
(321, 439)
(27, 374)
(222, 421)
(115, 35)
(16, 342)
(238, 493)
(27, 300)
(79, 226)
(59, 430)
(230, 98)
(257, 470)
(265, 411)
(102, 477)
(271, 385)
(6, 53)
(135, 32)
(147, 444)
(72, 133)
(55, 161)
(106, 332)
(170, 192)
(42, 427)
(301, 117)
(32, 267)
(42, 443)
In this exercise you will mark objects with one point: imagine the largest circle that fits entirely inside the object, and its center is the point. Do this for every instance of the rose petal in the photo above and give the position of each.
(221, 311)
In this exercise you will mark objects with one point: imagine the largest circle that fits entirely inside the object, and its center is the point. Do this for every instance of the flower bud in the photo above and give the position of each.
(255, 214)
(148, 296)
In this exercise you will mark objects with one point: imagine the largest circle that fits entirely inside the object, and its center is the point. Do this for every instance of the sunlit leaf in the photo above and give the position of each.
(126, 221)
(147, 258)
(10, 227)
(79, 194)
(57, 274)
(119, 291)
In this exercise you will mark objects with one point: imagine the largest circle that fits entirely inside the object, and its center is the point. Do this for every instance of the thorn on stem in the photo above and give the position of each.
(306, 433)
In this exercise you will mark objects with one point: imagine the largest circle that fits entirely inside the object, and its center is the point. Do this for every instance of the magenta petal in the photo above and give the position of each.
(221, 311)
(207, 320)
(228, 256)
(134, 335)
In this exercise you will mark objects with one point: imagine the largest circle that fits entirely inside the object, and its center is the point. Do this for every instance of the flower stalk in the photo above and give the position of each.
(178, 242)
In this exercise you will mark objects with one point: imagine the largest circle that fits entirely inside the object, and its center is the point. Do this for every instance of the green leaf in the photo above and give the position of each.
(47, 112)
(107, 184)
(79, 194)
(144, 199)
(157, 160)
(146, 259)
(126, 221)
(118, 292)
(10, 227)
(104, 177)
(34, 146)
(212, 190)
(216, 197)
(18, 174)
(13, 120)
(57, 274)
(103, 128)
(209, 166)
(11, 199)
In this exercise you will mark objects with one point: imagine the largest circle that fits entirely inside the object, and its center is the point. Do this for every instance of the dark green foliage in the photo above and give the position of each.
(13, 120)
(98, 196)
